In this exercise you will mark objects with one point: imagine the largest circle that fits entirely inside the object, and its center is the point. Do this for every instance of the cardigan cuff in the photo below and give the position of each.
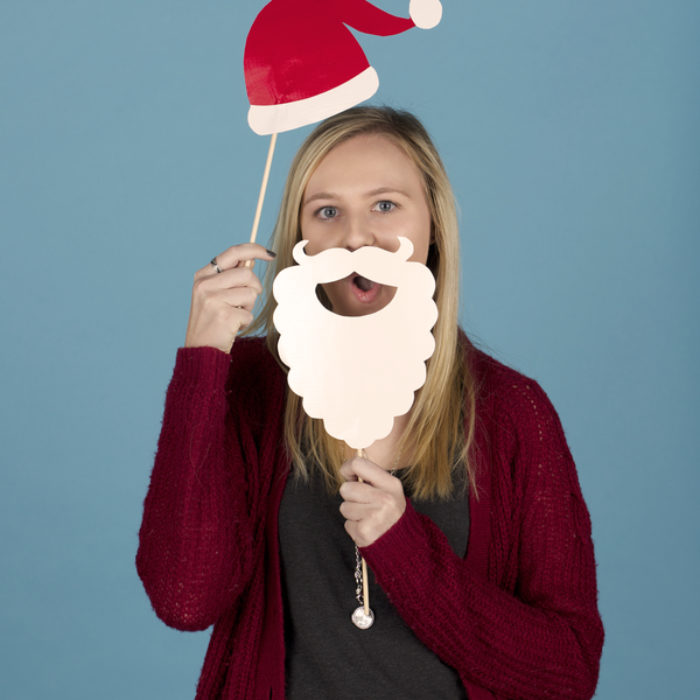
(395, 549)
(202, 367)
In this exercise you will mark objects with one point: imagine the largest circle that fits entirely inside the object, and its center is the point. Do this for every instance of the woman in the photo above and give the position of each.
(253, 510)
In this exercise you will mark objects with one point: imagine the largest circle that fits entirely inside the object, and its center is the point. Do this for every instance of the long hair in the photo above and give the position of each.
(435, 440)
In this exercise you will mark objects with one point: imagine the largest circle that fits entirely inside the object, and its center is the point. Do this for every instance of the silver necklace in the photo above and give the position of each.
(361, 618)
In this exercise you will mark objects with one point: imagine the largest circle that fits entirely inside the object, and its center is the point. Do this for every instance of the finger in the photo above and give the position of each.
(236, 277)
(234, 257)
(361, 532)
(351, 528)
(245, 316)
(356, 511)
(347, 469)
(243, 251)
(239, 277)
(361, 468)
(240, 297)
(358, 492)
(242, 276)
(234, 318)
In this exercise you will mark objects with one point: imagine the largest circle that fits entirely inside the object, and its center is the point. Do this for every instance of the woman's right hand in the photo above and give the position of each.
(222, 302)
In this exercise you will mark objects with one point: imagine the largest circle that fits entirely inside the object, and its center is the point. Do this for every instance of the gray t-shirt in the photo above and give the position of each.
(326, 655)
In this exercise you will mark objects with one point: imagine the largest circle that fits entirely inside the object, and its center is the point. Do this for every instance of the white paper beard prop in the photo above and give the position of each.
(356, 372)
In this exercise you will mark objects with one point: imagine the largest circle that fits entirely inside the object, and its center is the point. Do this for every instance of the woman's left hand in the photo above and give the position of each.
(372, 507)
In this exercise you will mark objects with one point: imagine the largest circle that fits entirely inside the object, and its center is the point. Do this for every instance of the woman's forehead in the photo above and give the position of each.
(366, 162)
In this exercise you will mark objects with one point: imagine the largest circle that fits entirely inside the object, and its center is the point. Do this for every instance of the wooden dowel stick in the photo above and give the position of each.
(263, 187)
(261, 195)
(365, 579)
(365, 587)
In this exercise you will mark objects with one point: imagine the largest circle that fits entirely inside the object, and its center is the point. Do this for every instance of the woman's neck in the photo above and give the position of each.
(385, 452)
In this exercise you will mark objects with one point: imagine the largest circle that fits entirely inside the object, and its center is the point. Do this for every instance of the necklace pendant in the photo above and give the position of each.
(360, 620)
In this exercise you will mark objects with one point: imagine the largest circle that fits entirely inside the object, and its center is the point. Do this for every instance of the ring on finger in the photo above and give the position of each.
(215, 264)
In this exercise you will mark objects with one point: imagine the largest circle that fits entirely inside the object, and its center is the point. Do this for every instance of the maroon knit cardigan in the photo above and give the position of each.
(516, 618)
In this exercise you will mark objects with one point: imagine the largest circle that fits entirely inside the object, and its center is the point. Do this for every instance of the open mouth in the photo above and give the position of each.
(367, 291)
(369, 296)
(362, 283)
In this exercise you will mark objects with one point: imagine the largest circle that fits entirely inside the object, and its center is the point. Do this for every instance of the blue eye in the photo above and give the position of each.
(385, 205)
(327, 212)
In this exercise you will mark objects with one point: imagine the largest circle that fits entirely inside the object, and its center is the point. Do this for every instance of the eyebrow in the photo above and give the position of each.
(371, 193)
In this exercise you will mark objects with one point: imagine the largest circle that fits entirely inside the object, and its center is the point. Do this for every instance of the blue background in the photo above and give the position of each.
(570, 132)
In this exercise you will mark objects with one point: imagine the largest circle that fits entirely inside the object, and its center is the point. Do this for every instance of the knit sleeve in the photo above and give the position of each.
(197, 539)
(544, 637)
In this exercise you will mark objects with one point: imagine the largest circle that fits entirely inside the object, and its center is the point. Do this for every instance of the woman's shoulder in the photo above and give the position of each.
(518, 422)
(488, 372)
(507, 392)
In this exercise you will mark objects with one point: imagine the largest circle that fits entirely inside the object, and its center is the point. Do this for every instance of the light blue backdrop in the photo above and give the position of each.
(570, 131)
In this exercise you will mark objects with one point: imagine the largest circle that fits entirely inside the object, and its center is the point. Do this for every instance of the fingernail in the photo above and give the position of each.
(269, 252)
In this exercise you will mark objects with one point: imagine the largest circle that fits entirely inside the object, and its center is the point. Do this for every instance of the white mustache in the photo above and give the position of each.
(376, 264)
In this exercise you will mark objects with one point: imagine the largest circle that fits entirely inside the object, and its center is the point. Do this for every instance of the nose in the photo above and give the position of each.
(357, 232)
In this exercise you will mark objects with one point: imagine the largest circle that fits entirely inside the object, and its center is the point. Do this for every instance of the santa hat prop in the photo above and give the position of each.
(302, 64)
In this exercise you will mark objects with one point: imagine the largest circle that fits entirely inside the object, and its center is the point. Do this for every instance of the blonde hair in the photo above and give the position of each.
(438, 443)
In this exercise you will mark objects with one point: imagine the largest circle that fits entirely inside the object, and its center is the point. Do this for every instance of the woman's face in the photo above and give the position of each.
(365, 192)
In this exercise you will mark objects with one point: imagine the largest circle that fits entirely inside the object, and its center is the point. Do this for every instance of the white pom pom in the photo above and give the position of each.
(425, 14)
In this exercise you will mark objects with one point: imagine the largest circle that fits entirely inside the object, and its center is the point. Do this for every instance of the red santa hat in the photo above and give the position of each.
(302, 64)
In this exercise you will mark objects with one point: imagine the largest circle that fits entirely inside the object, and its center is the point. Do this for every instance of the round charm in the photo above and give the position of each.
(359, 619)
